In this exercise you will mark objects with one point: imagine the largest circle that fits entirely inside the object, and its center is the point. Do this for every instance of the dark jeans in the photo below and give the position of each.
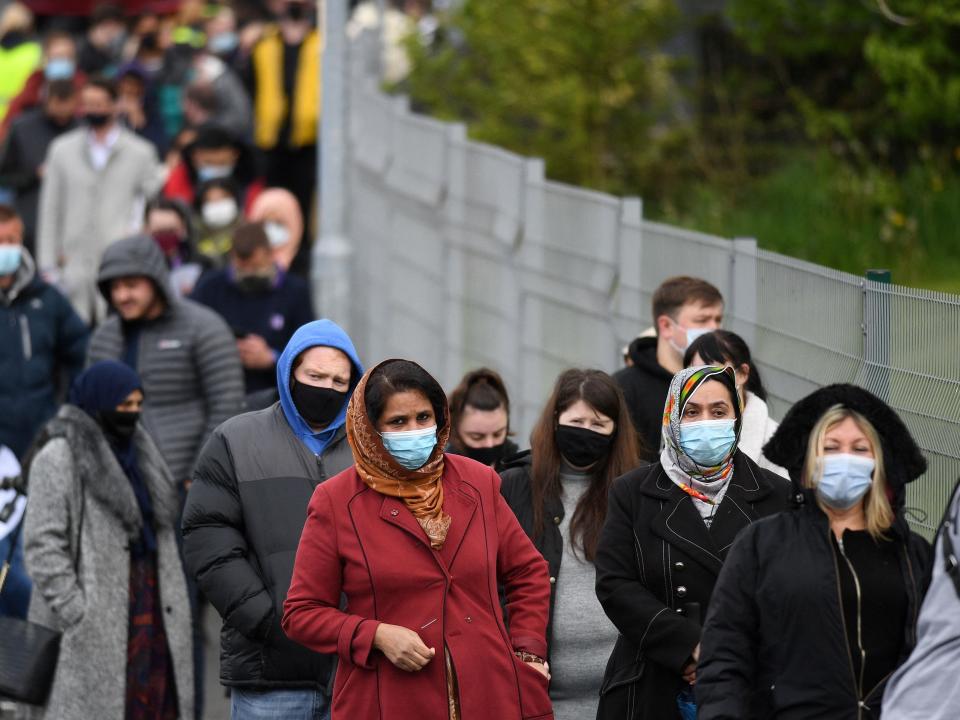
(286, 704)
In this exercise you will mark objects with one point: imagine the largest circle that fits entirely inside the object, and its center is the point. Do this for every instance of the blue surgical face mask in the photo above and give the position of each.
(708, 442)
(223, 43)
(692, 334)
(213, 172)
(10, 259)
(411, 448)
(844, 479)
(59, 69)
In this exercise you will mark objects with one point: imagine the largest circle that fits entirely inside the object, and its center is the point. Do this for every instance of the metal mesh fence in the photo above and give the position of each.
(464, 255)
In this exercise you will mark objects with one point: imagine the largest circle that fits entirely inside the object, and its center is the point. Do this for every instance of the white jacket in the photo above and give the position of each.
(756, 429)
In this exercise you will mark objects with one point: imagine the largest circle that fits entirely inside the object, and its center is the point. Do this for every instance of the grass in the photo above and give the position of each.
(822, 209)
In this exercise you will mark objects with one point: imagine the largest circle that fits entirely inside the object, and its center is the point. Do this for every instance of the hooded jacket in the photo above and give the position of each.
(41, 335)
(244, 515)
(772, 650)
(645, 387)
(186, 358)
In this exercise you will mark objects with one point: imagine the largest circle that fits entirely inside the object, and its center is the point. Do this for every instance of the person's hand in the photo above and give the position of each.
(255, 354)
(403, 647)
(41, 168)
(542, 668)
(690, 669)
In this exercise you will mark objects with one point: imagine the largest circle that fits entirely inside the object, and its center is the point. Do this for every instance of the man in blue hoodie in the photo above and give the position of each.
(244, 514)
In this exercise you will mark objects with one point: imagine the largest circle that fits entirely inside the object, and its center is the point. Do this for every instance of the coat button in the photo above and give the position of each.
(394, 512)
(469, 619)
(681, 591)
(678, 566)
(553, 581)
(556, 521)
(168, 609)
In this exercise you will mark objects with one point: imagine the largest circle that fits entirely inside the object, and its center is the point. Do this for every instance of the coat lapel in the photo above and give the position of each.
(679, 523)
(737, 510)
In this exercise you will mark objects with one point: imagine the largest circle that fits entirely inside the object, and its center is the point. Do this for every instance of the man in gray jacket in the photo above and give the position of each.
(244, 515)
(184, 353)
(95, 181)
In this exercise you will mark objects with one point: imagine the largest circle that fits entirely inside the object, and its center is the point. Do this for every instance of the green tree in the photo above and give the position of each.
(581, 83)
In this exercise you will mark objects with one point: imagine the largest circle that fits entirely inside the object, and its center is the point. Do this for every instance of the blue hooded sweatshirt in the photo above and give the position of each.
(318, 332)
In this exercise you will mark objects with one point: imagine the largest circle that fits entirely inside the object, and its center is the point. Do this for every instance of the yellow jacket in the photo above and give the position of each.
(271, 106)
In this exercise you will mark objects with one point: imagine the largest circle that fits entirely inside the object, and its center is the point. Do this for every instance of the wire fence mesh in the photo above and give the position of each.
(464, 255)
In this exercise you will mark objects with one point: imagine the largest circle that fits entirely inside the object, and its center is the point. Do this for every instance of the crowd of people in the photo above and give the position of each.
(180, 431)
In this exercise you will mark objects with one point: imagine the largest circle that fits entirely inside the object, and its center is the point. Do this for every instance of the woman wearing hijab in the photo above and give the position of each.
(418, 541)
(816, 607)
(101, 548)
(668, 529)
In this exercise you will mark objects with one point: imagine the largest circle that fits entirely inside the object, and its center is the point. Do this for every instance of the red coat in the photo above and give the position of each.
(179, 186)
(370, 547)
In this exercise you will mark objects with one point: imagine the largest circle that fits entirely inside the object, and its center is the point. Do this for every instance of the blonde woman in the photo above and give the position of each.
(816, 607)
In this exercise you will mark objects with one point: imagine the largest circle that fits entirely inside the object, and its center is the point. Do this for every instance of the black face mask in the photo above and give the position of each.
(118, 424)
(254, 284)
(485, 455)
(96, 120)
(581, 447)
(317, 405)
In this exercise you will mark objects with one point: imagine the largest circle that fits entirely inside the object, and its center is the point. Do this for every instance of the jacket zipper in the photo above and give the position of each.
(843, 620)
(25, 337)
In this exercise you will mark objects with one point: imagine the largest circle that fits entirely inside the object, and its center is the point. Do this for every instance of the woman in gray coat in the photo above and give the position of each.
(101, 548)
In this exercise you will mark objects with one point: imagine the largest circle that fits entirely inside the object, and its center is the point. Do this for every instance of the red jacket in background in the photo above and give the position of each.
(29, 97)
(371, 548)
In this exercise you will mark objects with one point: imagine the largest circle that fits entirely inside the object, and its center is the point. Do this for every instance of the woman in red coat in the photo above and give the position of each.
(418, 542)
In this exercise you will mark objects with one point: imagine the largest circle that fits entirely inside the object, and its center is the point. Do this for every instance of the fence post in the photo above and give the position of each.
(742, 304)
(876, 333)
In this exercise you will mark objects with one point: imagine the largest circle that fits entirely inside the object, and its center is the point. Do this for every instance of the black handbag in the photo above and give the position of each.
(28, 651)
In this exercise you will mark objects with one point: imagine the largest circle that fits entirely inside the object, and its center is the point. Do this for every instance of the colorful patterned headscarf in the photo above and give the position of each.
(420, 490)
(685, 383)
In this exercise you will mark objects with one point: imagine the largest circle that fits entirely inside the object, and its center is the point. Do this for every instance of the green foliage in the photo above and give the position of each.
(581, 83)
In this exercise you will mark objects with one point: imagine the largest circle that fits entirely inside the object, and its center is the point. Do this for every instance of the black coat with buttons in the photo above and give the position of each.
(656, 565)
(515, 488)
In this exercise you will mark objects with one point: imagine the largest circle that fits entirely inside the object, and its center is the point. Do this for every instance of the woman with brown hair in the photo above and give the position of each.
(558, 490)
(418, 542)
(480, 419)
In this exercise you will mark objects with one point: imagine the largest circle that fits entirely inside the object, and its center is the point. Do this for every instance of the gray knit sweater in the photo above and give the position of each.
(583, 637)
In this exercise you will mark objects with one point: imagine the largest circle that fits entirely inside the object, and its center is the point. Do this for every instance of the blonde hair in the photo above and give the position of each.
(876, 507)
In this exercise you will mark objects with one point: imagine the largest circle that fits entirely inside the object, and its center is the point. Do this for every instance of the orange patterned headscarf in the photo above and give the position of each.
(420, 490)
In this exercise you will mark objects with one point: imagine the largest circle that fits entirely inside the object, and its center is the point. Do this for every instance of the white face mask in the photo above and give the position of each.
(220, 213)
(691, 334)
(277, 234)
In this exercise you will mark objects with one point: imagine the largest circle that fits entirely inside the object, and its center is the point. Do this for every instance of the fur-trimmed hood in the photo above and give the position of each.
(902, 458)
(101, 475)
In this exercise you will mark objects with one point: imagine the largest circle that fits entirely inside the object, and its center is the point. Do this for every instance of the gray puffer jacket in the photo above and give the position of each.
(187, 358)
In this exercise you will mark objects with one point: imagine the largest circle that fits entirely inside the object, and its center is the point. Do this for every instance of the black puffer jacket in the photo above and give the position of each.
(241, 527)
(774, 642)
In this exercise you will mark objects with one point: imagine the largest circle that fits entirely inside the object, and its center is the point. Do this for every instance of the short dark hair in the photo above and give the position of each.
(248, 238)
(676, 292)
(722, 346)
(226, 184)
(103, 83)
(106, 11)
(8, 213)
(396, 376)
(203, 95)
(162, 203)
